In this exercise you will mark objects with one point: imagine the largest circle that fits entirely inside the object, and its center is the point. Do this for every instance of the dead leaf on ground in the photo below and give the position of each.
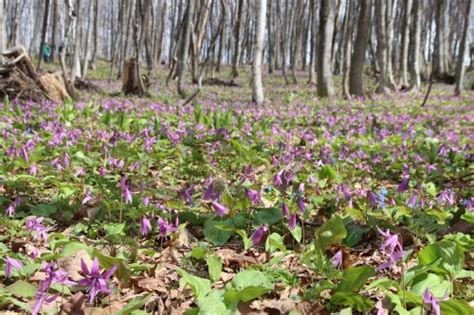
(74, 305)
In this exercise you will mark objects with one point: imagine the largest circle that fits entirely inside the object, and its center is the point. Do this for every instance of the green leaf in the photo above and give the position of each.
(247, 240)
(268, 216)
(123, 272)
(436, 284)
(354, 300)
(455, 307)
(199, 286)
(275, 241)
(331, 232)
(250, 284)
(213, 303)
(72, 247)
(450, 253)
(327, 172)
(22, 288)
(214, 265)
(215, 235)
(413, 272)
(198, 253)
(296, 233)
(353, 279)
(384, 283)
(135, 304)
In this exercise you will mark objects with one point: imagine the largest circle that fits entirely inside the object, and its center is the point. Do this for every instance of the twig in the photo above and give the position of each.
(429, 90)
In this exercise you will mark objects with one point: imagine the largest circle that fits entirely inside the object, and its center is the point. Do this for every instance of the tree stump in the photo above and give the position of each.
(132, 80)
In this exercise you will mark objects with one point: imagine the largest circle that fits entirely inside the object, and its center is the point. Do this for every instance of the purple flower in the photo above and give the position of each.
(219, 209)
(301, 206)
(11, 263)
(277, 181)
(126, 194)
(391, 247)
(404, 184)
(66, 160)
(166, 228)
(102, 171)
(285, 211)
(24, 153)
(336, 260)
(372, 197)
(258, 234)
(292, 221)
(447, 197)
(10, 211)
(431, 303)
(33, 170)
(186, 194)
(57, 275)
(145, 226)
(95, 280)
(411, 202)
(146, 201)
(35, 224)
(87, 197)
(253, 195)
(41, 296)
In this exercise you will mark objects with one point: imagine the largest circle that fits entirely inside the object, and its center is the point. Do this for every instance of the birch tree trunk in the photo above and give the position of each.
(462, 51)
(356, 77)
(326, 30)
(257, 86)
(347, 47)
(87, 49)
(76, 67)
(15, 20)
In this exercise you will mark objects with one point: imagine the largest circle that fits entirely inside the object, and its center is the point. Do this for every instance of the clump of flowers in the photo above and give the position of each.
(35, 225)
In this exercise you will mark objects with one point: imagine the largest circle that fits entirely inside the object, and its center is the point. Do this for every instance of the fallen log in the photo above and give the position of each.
(18, 79)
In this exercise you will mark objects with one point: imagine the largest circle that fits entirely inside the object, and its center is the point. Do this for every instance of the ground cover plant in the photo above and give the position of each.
(134, 206)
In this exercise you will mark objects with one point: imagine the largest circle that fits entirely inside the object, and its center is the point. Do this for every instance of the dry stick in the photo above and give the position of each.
(195, 93)
(429, 90)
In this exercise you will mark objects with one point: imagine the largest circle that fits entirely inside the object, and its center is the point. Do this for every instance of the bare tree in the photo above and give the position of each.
(462, 51)
(257, 86)
(184, 47)
(356, 77)
(3, 26)
(415, 45)
(43, 33)
(347, 47)
(54, 32)
(405, 42)
(382, 43)
(326, 30)
(440, 66)
(15, 20)
(237, 46)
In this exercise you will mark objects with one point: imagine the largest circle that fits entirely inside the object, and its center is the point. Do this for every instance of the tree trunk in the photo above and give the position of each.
(238, 47)
(184, 48)
(96, 33)
(382, 41)
(3, 26)
(462, 51)
(439, 54)
(415, 44)
(326, 31)
(356, 77)
(70, 20)
(405, 43)
(313, 41)
(87, 49)
(43, 34)
(347, 44)
(257, 86)
(54, 34)
(389, 20)
(76, 67)
(12, 41)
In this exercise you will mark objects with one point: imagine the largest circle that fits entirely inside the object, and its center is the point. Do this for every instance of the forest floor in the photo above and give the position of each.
(298, 206)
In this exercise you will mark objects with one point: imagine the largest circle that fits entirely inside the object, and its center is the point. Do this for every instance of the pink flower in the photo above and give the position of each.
(258, 234)
(11, 264)
(336, 260)
(145, 226)
(95, 280)
(219, 209)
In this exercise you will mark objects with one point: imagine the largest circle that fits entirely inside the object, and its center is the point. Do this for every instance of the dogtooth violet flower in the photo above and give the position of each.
(219, 210)
(145, 226)
(258, 234)
(95, 280)
(11, 264)
(391, 247)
